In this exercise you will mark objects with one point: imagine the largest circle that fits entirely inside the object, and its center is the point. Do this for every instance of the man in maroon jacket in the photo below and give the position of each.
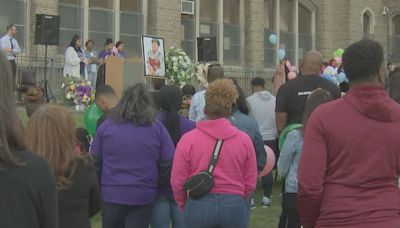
(351, 156)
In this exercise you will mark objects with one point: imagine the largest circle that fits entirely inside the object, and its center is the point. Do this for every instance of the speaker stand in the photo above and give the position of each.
(46, 96)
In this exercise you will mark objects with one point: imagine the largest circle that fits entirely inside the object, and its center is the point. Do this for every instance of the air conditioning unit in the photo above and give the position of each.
(187, 7)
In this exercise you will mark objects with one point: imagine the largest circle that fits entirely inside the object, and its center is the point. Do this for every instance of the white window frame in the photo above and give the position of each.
(118, 33)
(241, 25)
(117, 18)
(27, 27)
(114, 36)
(220, 22)
(371, 14)
(308, 5)
(391, 29)
(82, 34)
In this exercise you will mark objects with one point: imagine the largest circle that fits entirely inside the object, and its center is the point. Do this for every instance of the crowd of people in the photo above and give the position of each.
(150, 164)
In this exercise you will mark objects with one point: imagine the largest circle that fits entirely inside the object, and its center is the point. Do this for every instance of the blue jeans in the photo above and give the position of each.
(165, 211)
(248, 209)
(125, 216)
(216, 210)
(268, 180)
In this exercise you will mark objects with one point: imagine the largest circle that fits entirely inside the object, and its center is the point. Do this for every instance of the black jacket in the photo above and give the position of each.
(28, 196)
(81, 201)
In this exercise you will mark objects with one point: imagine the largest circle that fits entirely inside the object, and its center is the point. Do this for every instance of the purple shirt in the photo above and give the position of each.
(185, 126)
(104, 54)
(130, 157)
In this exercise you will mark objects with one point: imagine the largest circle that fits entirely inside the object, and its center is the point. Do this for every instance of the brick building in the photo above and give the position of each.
(242, 27)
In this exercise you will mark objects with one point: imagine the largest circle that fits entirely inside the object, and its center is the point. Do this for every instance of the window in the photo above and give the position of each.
(269, 14)
(209, 10)
(287, 35)
(396, 25)
(14, 12)
(394, 52)
(367, 25)
(269, 29)
(305, 33)
(101, 20)
(70, 22)
(232, 53)
(209, 26)
(209, 18)
(188, 34)
(131, 27)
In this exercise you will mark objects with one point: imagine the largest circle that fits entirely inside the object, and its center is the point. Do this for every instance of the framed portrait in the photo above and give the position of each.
(153, 56)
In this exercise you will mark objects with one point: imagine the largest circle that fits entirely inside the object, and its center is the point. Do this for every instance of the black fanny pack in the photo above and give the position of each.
(201, 184)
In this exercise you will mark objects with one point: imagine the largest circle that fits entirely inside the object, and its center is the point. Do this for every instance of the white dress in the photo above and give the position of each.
(72, 64)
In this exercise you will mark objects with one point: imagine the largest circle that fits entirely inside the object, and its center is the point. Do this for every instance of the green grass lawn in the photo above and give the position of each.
(260, 217)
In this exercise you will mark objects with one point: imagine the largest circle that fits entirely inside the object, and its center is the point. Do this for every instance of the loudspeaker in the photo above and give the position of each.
(207, 49)
(47, 30)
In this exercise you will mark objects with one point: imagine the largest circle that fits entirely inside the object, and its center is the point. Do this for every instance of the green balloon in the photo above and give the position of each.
(285, 132)
(92, 114)
(338, 53)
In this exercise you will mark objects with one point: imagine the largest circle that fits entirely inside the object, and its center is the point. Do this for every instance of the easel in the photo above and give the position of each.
(156, 83)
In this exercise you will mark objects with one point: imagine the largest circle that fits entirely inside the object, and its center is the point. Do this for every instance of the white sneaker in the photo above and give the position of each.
(253, 205)
(266, 202)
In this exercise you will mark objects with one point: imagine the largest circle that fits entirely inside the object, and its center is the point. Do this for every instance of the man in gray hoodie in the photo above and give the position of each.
(262, 109)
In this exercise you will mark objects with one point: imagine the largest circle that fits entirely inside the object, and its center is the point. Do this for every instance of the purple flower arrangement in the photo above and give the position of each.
(78, 92)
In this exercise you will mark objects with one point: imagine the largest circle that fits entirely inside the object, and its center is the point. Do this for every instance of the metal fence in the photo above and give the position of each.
(287, 42)
(269, 49)
(244, 75)
(54, 72)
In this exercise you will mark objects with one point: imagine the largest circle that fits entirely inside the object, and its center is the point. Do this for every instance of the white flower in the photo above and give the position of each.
(89, 83)
(175, 69)
(187, 59)
(174, 59)
(180, 58)
(185, 66)
(62, 86)
(68, 96)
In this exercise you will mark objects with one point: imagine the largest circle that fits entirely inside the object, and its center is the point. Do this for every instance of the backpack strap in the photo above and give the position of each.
(215, 156)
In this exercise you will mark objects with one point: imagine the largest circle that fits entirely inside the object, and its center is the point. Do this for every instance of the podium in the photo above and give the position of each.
(122, 73)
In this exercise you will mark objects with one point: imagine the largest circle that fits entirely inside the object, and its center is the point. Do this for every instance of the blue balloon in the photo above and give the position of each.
(329, 78)
(341, 77)
(281, 54)
(273, 39)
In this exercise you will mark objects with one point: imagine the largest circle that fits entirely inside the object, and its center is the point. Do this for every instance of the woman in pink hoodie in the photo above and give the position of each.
(235, 173)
